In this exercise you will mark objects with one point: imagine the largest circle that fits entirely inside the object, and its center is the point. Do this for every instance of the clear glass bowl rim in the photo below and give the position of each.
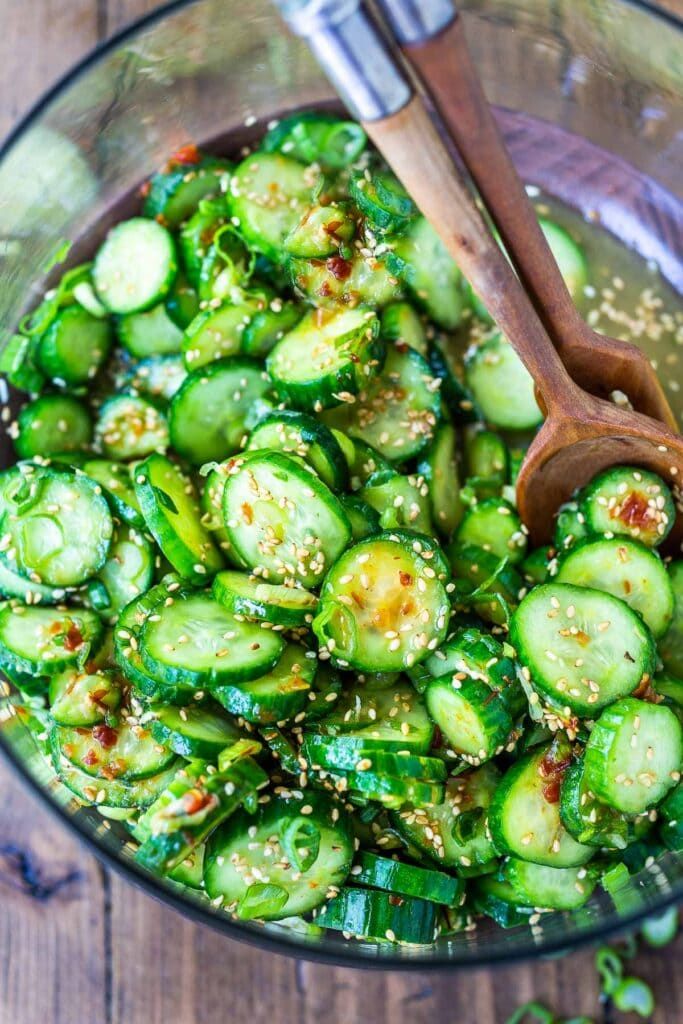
(434, 959)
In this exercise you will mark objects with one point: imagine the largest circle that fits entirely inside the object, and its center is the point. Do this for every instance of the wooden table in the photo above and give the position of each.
(77, 944)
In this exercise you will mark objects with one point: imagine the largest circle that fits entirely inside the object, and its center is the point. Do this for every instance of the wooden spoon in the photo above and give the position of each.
(581, 434)
(440, 55)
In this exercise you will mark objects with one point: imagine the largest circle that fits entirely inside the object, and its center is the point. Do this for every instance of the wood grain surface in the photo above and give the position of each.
(80, 946)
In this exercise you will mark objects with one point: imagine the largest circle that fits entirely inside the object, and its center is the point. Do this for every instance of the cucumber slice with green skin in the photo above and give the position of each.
(135, 266)
(396, 413)
(538, 885)
(672, 691)
(320, 232)
(211, 412)
(83, 698)
(420, 259)
(363, 461)
(583, 649)
(190, 871)
(401, 501)
(626, 500)
(346, 753)
(496, 898)
(18, 363)
(52, 424)
(481, 573)
(175, 193)
(281, 749)
(75, 346)
(401, 324)
(407, 879)
(211, 503)
(126, 638)
(380, 916)
(150, 333)
(198, 232)
(268, 194)
(13, 584)
(196, 730)
(208, 646)
(446, 364)
(634, 755)
(494, 525)
(570, 526)
(568, 256)
(524, 818)
(302, 846)
(427, 548)
(327, 359)
(186, 814)
(440, 469)
(269, 602)
(267, 326)
(169, 506)
(277, 696)
(119, 793)
(56, 525)
(391, 720)
(626, 569)
(316, 138)
(128, 571)
(182, 301)
(671, 810)
(337, 282)
(501, 385)
(131, 427)
(473, 718)
(158, 377)
(671, 644)
(454, 833)
(104, 752)
(282, 519)
(382, 200)
(470, 652)
(382, 609)
(487, 457)
(591, 821)
(117, 485)
(364, 519)
(389, 791)
(536, 565)
(296, 433)
(217, 333)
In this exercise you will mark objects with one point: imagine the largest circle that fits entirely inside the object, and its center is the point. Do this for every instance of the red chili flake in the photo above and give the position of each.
(247, 513)
(330, 228)
(339, 267)
(551, 791)
(73, 639)
(194, 800)
(396, 901)
(90, 758)
(185, 156)
(634, 511)
(105, 735)
(405, 578)
(324, 290)
(113, 770)
(553, 771)
(97, 695)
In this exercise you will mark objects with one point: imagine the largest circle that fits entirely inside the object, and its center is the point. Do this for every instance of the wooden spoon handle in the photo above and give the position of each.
(415, 151)
(445, 66)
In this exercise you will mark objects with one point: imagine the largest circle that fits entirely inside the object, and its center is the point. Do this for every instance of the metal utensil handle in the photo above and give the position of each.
(352, 54)
(415, 21)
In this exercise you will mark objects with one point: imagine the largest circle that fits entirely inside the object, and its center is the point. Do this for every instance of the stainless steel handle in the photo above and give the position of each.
(416, 21)
(352, 54)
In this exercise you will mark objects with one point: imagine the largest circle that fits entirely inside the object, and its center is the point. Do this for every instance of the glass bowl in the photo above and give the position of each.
(590, 95)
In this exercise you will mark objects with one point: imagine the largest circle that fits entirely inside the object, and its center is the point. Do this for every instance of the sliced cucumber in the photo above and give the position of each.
(117, 484)
(583, 649)
(390, 720)
(150, 333)
(626, 569)
(420, 258)
(131, 427)
(337, 283)
(75, 346)
(538, 885)
(42, 641)
(632, 501)
(83, 698)
(135, 266)
(195, 642)
(320, 232)
(114, 793)
(175, 193)
(501, 385)
(568, 255)
(446, 363)
(488, 585)
(247, 595)
(277, 696)
(217, 333)
(494, 525)
(440, 469)
(127, 572)
(281, 519)
(123, 752)
(297, 433)
(158, 377)
(671, 644)
(52, 424)
(382, 608)
(407, 879)
(402, 502)
(327, 358)
(211, 412)
(314, 137)
(169, 506)
(401, 324)
(589, 820)
(196, 730)
(369, 914)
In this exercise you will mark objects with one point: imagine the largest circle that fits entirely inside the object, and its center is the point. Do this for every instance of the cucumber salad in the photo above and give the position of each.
(268, 605)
